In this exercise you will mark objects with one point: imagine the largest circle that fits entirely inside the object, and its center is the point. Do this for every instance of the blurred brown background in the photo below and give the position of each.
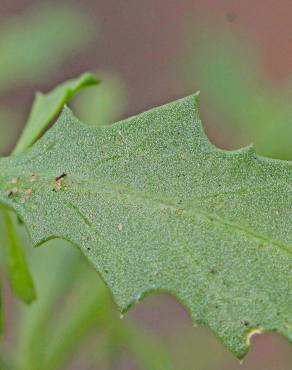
(237, 53)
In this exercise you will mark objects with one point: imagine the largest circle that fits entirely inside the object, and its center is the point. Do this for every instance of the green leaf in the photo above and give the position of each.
(57, 269)
(43, 111)
(154, 206)
(18, 272)
(47, 106)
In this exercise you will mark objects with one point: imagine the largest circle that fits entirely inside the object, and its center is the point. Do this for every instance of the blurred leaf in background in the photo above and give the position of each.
(103, 105)
(8, 123)
(240, 95)
(32, 47)
(75, 314)
(47, 106)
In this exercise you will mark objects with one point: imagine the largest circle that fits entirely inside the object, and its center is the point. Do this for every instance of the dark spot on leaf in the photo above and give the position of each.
(58, 181)
(61, 176)
(12, 192)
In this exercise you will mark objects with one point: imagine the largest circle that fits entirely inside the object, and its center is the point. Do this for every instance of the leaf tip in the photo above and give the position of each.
(89, 79)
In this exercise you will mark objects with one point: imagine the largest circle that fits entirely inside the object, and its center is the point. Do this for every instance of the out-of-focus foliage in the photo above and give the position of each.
(74, 308)
(103, 105)
(18, 272)
(47, 106)
(231, 80)
(9, 120)
(32, 46)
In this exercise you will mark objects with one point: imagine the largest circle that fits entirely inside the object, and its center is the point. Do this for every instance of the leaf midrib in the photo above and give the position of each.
(186, 212)
(166, 203)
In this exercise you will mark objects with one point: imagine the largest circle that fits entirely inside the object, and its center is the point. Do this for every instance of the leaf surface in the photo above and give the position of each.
(156, 207)
(47, 106)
